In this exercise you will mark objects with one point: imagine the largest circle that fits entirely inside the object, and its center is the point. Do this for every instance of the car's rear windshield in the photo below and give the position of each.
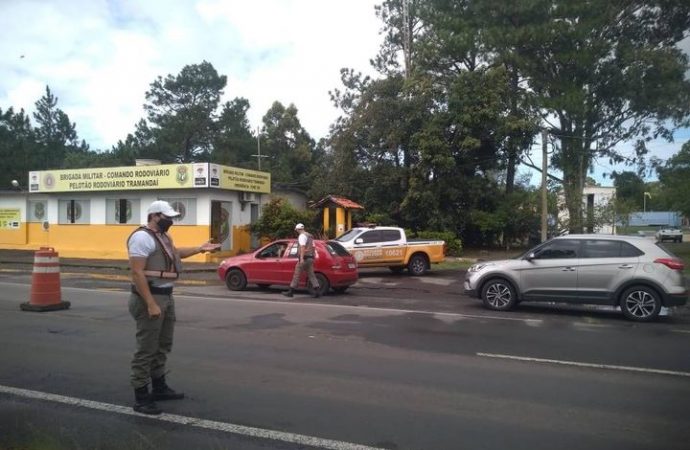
(334, 248)
(666, 250)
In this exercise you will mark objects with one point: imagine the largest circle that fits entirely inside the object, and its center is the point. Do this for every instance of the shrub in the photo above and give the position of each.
(453, 243)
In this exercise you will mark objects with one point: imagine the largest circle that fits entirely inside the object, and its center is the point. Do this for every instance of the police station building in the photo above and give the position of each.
(89, 213)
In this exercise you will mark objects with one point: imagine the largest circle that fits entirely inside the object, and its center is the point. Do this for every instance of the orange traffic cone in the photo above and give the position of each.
(45, 283)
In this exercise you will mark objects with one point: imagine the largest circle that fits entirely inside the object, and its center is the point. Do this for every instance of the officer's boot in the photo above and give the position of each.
(161, 391)
(143, 402)
(287, 293)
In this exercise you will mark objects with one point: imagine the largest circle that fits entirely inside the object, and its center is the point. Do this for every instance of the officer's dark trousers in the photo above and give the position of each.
(154, 338)
(304, 266)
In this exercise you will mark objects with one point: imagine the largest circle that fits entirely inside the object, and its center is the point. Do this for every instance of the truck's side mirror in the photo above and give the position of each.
(359, 241)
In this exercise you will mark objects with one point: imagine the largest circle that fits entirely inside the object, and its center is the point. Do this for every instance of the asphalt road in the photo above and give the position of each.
(396, 363)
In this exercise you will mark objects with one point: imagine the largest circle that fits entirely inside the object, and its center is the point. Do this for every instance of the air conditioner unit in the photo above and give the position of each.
(247, 197)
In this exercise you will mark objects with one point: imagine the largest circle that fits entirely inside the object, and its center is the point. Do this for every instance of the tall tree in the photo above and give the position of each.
(54, 132)
(674, 176)
(630, 188)
(288, 146)
(18, 148)
(181, 111)
(601, 75)
(234, 143)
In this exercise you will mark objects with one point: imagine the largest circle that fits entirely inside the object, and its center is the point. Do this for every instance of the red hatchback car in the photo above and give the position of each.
(274, 264)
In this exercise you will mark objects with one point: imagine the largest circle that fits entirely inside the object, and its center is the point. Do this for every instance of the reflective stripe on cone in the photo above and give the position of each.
(45, 283)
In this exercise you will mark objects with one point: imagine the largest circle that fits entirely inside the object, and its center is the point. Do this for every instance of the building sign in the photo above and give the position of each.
(165, 176)
(9, 218)
(236, 179)
(162, 176)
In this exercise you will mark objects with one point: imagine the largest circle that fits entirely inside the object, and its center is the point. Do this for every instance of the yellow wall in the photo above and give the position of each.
(340, 222)
(14, 237)
(109, 241)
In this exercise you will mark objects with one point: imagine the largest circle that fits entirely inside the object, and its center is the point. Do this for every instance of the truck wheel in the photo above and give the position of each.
(417, 265)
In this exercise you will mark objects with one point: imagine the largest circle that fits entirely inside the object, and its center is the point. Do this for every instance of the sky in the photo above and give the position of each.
(99, 57)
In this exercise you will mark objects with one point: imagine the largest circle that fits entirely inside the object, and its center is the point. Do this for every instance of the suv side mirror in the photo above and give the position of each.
(531, 256)
(359, 241)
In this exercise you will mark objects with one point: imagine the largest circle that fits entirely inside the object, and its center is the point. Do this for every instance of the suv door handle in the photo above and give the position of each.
(626, 266)
(567, 269)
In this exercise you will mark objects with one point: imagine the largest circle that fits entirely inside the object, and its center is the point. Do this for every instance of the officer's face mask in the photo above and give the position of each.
(164, 224)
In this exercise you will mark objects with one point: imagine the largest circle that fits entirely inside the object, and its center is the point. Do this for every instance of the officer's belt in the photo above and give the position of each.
(162, 274)
(154, 290)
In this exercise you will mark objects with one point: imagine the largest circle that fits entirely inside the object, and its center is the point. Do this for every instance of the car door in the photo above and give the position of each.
(268, 261)
(604, 266)
(551, 271)
(366, 247)
(286, 265)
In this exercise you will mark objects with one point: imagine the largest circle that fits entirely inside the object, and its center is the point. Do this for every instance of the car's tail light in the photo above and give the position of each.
(671, 263)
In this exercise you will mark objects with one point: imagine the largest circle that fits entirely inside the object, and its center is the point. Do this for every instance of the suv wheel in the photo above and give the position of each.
(640, 303)
(499, 295)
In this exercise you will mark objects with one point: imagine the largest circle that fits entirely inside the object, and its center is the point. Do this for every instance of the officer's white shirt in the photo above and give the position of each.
(141, 245)
(302, 239)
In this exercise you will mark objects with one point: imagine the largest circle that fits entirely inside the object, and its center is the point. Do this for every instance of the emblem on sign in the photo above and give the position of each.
(181, 175)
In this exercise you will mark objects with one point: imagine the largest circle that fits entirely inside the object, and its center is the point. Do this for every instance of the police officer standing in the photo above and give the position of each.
(155, 264)
(306, 255)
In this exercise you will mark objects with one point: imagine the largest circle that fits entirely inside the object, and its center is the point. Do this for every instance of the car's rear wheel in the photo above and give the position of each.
(235, 280)
(324, 285)
(499, 295)
(417, 265)
(640, 303)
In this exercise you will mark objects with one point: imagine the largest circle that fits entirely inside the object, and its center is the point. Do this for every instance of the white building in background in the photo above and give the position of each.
(597, 206)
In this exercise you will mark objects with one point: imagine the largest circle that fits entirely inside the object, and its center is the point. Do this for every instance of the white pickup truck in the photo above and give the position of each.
(669, 234)
(389, 247)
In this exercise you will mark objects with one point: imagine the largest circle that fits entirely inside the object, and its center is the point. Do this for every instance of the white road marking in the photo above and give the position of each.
(437, 281)
(590, 365)
(261, 433)
(678, 330)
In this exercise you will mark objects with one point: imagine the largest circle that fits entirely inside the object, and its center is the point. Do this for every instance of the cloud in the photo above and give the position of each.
(100, 56)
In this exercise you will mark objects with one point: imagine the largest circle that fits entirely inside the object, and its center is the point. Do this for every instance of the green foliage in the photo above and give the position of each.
(630, 188)
(674, 176)
(279, 218)
(453, 242)
(288, 147)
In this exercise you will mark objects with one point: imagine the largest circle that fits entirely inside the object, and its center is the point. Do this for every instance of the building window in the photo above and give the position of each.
(37, 211)
(187, 209)
(74, 211)
(122, 210)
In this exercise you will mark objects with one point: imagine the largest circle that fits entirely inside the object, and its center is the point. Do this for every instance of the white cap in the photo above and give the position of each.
(299, 226)
(163, 207)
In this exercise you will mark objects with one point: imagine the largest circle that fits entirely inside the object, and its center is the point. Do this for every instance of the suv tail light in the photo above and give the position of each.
(671, 263)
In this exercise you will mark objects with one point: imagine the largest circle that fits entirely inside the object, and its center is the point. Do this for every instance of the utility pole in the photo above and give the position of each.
(258, 147)
(544, 166)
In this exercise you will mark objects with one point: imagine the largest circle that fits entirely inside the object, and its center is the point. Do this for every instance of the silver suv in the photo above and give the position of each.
(632, 272)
